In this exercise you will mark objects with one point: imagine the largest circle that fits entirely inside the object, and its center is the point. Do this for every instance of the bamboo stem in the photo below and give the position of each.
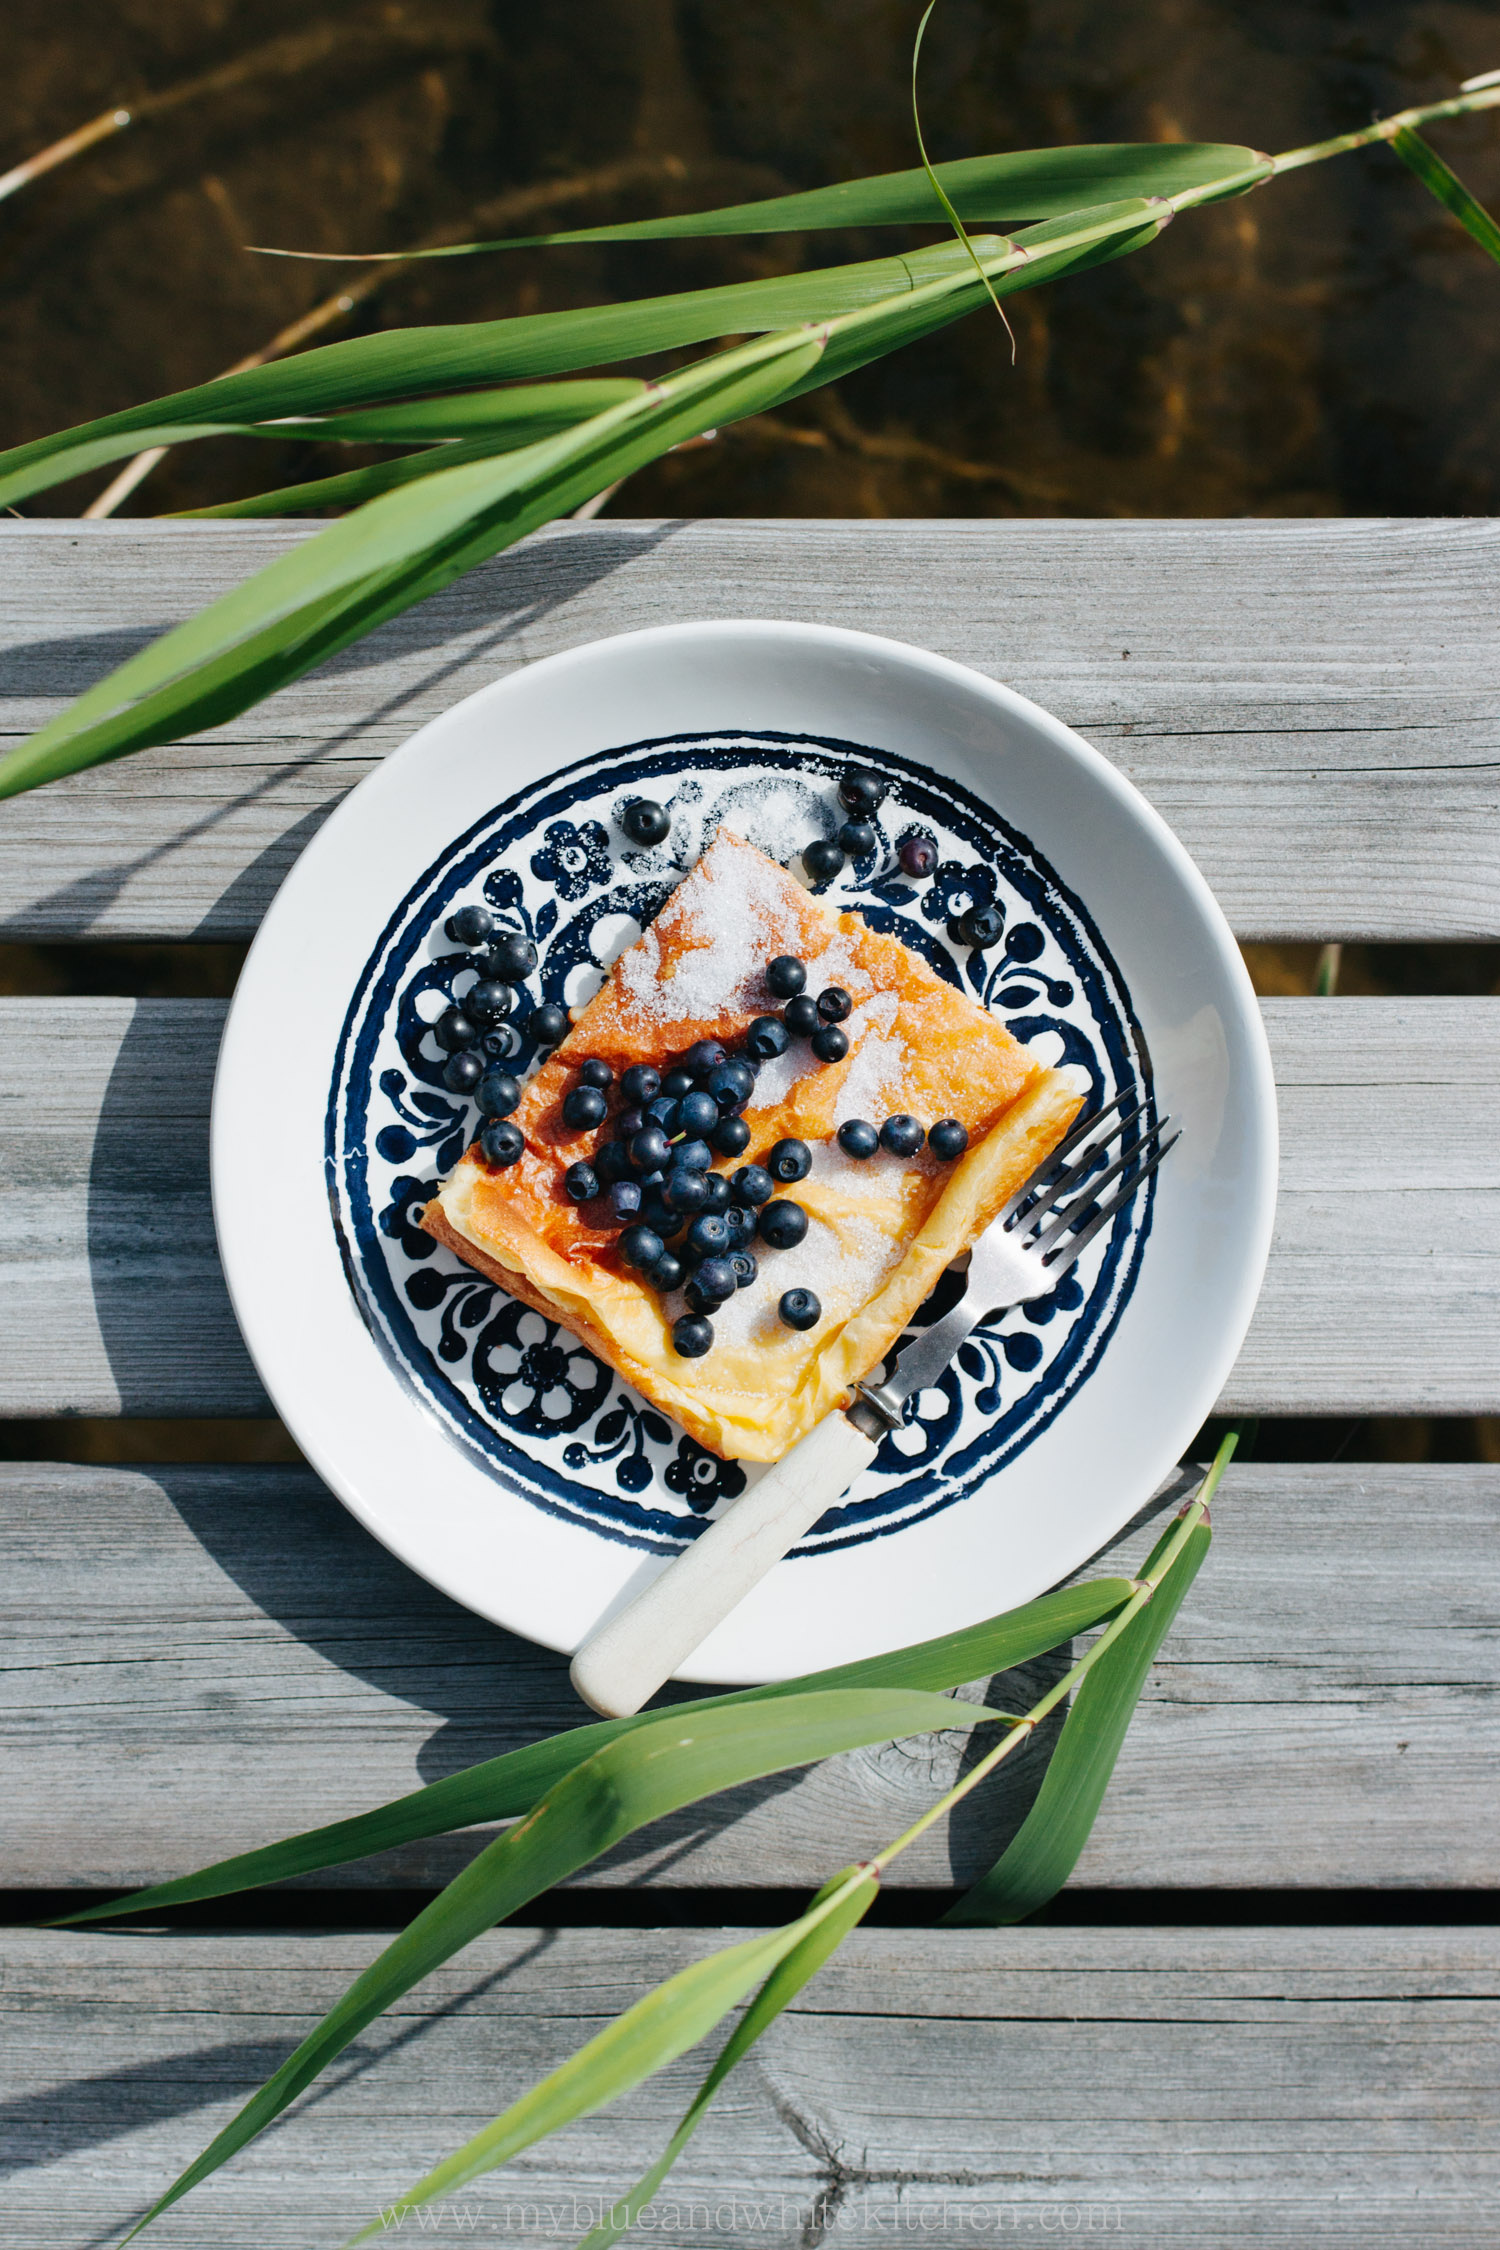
(1195, 1513)
(1481, 93)
(72, 144)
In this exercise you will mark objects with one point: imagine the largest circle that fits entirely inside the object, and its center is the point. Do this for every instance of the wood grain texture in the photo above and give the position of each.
(1314, 706)
(196, 1660)
(1383, 1293)
(1206, 2089)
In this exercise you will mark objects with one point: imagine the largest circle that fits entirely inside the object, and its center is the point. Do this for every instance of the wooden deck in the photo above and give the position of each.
(1271, 2016)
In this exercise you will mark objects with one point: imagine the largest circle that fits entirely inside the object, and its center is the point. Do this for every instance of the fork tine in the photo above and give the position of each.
(1080, 1170)
(1069, 1141)
(1081, 1202)
(1058, 1260)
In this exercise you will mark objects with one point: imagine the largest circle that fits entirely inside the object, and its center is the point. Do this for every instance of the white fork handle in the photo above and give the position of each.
(622, 1665)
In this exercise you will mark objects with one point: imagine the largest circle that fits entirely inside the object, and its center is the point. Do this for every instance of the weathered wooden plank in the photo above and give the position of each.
(1213, 2089)
(195, 1660)
(1383, 1293)
(1313, 705)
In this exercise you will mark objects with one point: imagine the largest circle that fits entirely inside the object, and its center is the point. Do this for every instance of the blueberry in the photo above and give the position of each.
(641, 1247)
(823, 859)
(597, 1074)
(581, 1182)
(856, 1138)
(799, 1308)
(801, 1016)
(625, 1200)
(830, 1045)
(677, 1083)
(686, 1191)
(455, 1029)
(705, 1055)
(612, 1162)
(547, 1025)
(666, 1274)
(789, 1160)
(645, 821)
(692, 1156)
(697, 1114)
(659, 1220)
(489, 1001)
(752, 1185)
(501, 1144)
(510, 958)
(499, 1045)
(948, 1138)
(692, 1336)
(902, 1135)
(652, 1183)
(462, 1072)
(584, 1108)
(663, 1111)
(782, 1225)
(982, 926)
(650, 1150)
(786, 976)
(731, 1086)
(741, 1225)
(918, 856)
(640, 1084)
(498, 1093)
(716, 1280)
(857, 839)
(709, 1236)
(471, 925)
(834, 1004)
(629, 1122)
(731, 1136)
(745, 1268)
(719, 1199)
(766, 1037)
(861, 792)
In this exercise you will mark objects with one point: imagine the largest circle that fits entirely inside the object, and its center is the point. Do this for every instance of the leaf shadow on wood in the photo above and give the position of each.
(49, 2124)
(518, 589)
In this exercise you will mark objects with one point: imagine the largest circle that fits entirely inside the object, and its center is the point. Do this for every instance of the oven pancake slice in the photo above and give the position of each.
(880, 1232)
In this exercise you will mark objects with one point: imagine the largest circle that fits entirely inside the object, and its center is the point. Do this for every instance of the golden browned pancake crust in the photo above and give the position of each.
(879, 1233)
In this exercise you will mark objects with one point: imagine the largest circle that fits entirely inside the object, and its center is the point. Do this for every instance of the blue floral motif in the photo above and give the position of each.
(432, 1121)
(574, 858)
(397, 1222)
(701, 1477)
(534, 1375)
(625, 1426)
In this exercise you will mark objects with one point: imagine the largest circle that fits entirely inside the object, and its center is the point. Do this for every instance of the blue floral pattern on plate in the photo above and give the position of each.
(554, 865)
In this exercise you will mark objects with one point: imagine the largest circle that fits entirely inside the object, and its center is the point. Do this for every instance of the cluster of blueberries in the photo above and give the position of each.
(502, 960)
(686, 1226)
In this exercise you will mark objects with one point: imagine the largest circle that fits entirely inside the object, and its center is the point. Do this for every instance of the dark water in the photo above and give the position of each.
(1328, 346)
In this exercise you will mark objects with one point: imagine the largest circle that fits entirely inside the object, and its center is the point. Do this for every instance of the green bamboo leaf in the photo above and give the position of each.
(351, 488)
(1449, 189)
(672, 1761)
(505, 1787)
(659, 2028)
(1033, 183)
(398, 363)
(795, 1969)
(370, 566)
(531, 410)
(1044, 1851)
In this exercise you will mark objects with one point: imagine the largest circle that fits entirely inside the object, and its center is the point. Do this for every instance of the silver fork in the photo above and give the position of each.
(1025, 1251)
(1043, 1230)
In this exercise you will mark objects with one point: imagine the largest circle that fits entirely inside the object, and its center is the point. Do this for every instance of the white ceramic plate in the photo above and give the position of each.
(491, 1452)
